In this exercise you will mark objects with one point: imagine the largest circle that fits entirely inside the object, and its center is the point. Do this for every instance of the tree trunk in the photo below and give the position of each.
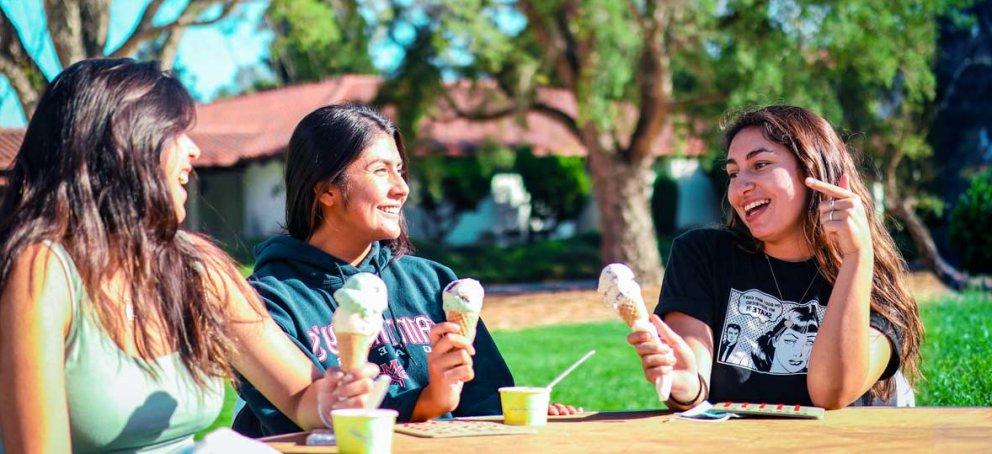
(623, 194)
(23, 74)
(902, 208)
(65, 26)
(925, 246)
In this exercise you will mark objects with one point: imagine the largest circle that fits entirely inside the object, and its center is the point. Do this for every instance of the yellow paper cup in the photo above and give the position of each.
(360, 430)
(525, 406)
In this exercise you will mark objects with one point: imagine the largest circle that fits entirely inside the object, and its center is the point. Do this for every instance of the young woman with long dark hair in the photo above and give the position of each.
(804, 278)
(117, 327)
(345, 191)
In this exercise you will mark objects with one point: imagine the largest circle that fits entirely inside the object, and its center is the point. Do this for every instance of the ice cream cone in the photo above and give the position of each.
(631, 312)
(466, 320)
(462, 303)
(358, 318)
(353, 350)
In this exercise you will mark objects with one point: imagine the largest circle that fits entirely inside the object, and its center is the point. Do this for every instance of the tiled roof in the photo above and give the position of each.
(10, 142)
(258, 125)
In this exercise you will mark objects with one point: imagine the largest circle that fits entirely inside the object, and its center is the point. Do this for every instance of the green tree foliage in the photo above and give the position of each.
(865, 66)
(971, 222)
(316, 38)
(636, 68)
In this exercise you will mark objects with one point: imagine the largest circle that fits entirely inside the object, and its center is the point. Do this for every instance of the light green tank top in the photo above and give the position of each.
(114, 405)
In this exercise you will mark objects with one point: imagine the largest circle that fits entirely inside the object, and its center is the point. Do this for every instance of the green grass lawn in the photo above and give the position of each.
(955, 354)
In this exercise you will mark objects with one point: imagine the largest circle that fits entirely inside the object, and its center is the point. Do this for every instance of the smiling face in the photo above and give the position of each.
(766, 187)
(177, 163)
(792, 350)
(369, 208)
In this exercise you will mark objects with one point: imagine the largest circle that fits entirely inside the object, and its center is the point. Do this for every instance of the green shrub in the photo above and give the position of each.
(545, 260)
(558, 185)
(664, 203)
(971, 222)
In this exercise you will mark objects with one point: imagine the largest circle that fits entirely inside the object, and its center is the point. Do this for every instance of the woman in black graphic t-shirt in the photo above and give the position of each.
(800, 298)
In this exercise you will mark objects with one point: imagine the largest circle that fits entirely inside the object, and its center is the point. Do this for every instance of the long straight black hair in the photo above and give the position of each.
(89, 176)
(322, 146)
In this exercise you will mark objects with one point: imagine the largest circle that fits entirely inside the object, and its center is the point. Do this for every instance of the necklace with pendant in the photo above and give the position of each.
(775, 280)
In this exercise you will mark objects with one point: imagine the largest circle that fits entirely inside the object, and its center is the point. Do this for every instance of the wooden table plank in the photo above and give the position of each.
(929, 429)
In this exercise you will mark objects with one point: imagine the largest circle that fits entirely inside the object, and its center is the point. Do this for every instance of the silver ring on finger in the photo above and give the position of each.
(830, 215)
(832, 201)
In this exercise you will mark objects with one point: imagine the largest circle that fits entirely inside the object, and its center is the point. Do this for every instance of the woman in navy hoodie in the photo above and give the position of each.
(345, 189)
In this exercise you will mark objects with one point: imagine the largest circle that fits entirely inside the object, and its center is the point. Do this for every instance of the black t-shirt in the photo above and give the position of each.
(762, 338)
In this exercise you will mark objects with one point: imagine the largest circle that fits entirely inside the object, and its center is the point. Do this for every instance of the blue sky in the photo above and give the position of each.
(209, 56)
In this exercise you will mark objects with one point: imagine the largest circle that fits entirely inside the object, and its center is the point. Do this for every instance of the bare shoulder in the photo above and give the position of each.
(37, 287)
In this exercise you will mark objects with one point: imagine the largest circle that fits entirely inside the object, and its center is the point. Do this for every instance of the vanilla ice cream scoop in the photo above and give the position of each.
(612, 275)
(361, 302)
(463, 295)
(618, 289)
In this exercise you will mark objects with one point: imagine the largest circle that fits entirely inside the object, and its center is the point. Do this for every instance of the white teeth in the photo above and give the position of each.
(755, 204)
(390, 210)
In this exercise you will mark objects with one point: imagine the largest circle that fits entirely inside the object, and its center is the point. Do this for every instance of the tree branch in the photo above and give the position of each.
(559, 49)
(654, 80)
(560, 116)
(95, 15)
(638, 16)
(146, 31)
(478, 114)
(22, 72)
(65, 26)
(547, 110)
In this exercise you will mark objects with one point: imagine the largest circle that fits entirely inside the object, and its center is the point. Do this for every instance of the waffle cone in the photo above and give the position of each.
(466, 320)
(353, 350)
(631, 312)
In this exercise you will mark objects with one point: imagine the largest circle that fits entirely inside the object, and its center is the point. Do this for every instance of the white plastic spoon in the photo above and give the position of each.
(564, 374)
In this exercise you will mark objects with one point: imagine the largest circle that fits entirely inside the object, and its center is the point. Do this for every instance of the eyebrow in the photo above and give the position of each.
(383, 161)
(750, 155)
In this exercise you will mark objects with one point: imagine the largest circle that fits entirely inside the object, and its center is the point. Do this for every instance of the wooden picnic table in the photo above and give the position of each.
(930, 429)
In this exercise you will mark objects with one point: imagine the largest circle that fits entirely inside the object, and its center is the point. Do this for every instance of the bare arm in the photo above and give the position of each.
(277, 368)
(35, 313)
(848, 356)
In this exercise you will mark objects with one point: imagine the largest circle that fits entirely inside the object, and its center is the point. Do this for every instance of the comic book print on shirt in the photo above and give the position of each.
(765, 334)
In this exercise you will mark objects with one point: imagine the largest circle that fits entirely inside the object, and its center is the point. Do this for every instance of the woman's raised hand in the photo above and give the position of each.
(843, 217)
(672, 355)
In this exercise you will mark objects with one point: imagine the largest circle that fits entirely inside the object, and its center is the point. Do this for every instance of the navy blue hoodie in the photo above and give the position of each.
(296, 281)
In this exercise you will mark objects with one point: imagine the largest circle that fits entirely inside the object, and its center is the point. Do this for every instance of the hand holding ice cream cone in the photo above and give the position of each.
(462, 302)
(621, 292)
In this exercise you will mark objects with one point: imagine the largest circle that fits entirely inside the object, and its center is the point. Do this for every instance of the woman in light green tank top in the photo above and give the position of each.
(117, 329)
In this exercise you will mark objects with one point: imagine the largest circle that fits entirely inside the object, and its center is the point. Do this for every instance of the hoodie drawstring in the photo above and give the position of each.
(392, 315)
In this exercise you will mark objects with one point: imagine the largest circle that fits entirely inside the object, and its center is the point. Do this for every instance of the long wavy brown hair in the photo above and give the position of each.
(89, 176)
(823, 155)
